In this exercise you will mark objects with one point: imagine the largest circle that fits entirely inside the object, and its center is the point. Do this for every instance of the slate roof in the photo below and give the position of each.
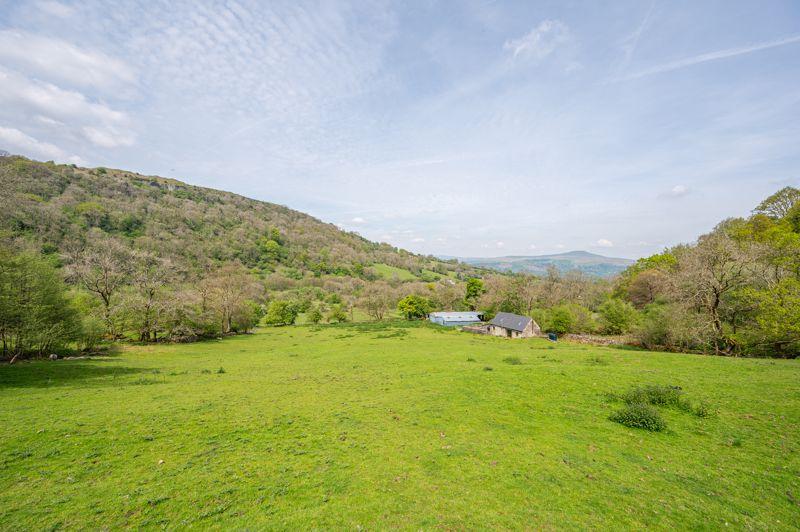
(515, 322)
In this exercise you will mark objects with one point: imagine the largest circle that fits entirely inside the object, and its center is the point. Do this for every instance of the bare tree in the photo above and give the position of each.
(147, 303)
(708, 272)
(226, 290)
(102, 267)
(376, 299)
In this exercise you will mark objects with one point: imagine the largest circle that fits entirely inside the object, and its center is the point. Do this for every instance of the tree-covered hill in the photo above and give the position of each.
(57, 206)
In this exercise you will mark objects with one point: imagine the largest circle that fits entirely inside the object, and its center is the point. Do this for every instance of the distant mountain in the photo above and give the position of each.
(588, 263)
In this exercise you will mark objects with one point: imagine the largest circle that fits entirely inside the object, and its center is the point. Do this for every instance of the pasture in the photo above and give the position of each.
(393, 425)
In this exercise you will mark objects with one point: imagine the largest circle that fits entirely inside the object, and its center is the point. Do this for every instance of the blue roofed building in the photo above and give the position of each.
(455, 319)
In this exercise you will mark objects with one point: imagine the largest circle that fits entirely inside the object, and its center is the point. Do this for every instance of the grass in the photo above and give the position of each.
(392, 272)
(393, 425)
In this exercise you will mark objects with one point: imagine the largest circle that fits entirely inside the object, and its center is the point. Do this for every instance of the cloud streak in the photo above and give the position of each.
(710, 56)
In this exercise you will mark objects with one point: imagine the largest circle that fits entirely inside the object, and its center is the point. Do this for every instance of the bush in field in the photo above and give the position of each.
(281, 312)
(655, 395)
(414, 307)
(314, 315)
(337, 314)
(640, 416)
(617, 316)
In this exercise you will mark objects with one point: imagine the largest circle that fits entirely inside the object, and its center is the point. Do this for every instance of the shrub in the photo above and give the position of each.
(655, 395)
(281, 313)
(315, 315)
(640, 416)
(337, 314)
(561, 320)
(617, 316)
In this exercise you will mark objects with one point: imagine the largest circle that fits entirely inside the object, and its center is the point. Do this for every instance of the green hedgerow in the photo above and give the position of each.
(640, 416)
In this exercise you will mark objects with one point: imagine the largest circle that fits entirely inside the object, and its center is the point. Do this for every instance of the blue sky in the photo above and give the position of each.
(459, 128)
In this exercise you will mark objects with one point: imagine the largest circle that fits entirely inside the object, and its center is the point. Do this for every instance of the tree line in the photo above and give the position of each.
(735, 291)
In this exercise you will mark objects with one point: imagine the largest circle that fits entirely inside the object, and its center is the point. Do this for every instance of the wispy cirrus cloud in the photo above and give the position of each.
(541, 41)
(59, 61)
(710, 56)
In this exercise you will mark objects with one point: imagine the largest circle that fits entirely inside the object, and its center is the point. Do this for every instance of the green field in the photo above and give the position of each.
(393, 425)
(392, 272)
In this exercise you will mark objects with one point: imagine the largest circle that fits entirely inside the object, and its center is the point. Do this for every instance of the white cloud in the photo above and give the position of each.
(16, 140)
(358, 220)
(541, 41)
(679, 190)
(532, 246)
(61, 62)
(500, 244)
(605, 243)
(97, 122)
(418, 239)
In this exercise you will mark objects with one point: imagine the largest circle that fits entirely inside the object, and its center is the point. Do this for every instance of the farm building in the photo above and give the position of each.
(455, 319)
(513, 326)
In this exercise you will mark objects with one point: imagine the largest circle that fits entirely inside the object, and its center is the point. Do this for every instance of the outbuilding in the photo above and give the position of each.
(513, 326)
(455, 319)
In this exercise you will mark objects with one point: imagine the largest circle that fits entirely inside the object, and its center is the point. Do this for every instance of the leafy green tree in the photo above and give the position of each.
(617, 316)
(776, 328)
(474, 290)
(36, 313)
(281, 312)
(779, 204)
(560, 320)
(414, 307)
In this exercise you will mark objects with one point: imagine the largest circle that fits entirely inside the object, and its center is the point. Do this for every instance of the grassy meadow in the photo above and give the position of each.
(393, 425)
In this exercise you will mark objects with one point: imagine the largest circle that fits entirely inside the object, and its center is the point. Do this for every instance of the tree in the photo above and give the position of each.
(646, 287)
(228, 292)
(281, 312)
(560, 320)
(376, 300)
(36, 313)
(147, 301)
(780, 203)
(617, 316)
(710, 270)
(414, 307)
(776, 328)
(103, 267)
(473, 292)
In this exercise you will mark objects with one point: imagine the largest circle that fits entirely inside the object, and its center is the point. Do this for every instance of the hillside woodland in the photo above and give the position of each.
(90, 255)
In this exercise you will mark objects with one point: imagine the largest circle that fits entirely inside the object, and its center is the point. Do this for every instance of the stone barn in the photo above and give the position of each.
(513, 326)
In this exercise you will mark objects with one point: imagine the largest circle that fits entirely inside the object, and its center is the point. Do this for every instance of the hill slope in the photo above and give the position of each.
(56, 205)
(589, 263)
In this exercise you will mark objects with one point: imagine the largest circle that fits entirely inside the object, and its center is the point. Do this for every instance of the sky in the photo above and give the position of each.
(470, 128)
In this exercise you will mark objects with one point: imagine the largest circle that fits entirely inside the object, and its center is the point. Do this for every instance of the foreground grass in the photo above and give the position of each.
(392, 425)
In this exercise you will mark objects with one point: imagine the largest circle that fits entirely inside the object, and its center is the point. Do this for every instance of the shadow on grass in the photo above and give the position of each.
(45, 374)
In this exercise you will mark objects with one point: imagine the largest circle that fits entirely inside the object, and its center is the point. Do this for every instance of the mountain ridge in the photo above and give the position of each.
(584, 261)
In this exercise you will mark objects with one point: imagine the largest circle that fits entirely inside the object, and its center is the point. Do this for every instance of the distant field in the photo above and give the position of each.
(390, 272)
(393, 425)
